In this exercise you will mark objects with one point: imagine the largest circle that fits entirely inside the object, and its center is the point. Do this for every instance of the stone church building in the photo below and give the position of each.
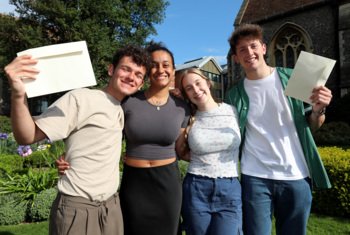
(321, 27)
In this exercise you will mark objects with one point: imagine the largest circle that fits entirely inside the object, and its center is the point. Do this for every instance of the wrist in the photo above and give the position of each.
(319, 113)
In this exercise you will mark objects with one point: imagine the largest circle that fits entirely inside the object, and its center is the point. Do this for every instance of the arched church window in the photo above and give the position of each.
(286, 45)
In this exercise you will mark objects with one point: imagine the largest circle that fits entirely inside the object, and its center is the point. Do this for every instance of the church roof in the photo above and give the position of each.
(259, 10)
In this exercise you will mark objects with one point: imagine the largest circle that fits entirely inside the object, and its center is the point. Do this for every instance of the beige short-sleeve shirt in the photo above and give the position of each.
(90, 122)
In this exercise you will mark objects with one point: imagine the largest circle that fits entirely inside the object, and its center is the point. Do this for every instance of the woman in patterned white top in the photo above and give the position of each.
(211, 189)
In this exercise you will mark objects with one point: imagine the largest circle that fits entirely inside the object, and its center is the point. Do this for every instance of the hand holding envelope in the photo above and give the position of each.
(62, 67)
(310, 71)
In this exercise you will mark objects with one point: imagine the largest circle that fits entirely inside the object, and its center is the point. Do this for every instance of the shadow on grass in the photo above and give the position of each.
(6, 233)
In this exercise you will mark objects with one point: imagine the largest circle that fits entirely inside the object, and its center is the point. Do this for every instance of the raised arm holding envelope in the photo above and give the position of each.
(90, 122)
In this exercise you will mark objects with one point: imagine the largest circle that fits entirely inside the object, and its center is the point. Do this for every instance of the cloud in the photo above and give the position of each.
(211, 50)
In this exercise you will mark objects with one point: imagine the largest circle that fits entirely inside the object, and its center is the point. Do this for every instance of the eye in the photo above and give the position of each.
(154, 65)
(125, 68)
(188, 88)
(139, 76)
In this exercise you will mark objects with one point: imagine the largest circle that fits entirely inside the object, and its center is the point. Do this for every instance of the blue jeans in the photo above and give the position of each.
(288, 200)
(211, 206)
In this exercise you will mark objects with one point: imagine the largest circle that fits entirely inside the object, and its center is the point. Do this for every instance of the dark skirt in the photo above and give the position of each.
(150, 199)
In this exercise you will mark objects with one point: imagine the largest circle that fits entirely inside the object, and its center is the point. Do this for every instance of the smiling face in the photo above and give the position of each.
(197, 89)
(250, 53)
(162, 71)
(126, 78)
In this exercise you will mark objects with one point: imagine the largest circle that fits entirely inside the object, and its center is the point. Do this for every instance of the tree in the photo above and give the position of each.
(105, 25)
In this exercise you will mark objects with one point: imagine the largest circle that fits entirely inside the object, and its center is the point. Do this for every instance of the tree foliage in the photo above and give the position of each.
(105, 25)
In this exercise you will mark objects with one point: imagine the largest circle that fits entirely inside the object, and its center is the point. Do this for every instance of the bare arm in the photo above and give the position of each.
(24, 129)
(181, 146)
(321, 97)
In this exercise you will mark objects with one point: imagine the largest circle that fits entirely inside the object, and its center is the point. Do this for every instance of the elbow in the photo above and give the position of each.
(22, 139)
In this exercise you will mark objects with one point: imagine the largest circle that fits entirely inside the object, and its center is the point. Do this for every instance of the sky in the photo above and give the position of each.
(191, 28)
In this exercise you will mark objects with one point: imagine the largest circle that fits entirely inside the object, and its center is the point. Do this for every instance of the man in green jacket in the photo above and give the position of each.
(279, 159)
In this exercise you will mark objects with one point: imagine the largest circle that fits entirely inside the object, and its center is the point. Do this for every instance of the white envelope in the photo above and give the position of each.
(62, 67)
(310, 71)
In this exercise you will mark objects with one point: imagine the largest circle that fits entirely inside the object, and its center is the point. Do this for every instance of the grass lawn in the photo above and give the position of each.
(318, 225)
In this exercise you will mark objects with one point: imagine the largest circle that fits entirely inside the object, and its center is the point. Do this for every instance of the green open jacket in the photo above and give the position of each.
(238, 97)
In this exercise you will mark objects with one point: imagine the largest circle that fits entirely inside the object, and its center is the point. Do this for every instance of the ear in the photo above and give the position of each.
(264, 48)
(209, 83)
(110, 70)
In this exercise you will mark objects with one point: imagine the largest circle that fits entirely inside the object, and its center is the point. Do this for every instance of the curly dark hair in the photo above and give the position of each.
(159, 46)
(139, 55)
(245, 31)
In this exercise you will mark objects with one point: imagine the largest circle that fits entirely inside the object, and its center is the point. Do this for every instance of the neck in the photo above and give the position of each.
(116, 95)
(259, 73)
(157, 93)
(210, 104)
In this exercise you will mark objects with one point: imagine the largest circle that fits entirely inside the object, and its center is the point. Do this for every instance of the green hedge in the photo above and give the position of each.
(333, 134)
(5, 124)
(334, 201)
(40, 209)
(11, 163)
(12, 212)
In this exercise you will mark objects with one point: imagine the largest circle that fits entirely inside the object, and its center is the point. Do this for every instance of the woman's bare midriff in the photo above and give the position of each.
(136, 162)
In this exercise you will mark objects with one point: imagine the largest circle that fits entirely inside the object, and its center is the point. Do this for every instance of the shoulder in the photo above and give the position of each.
(178, 101)
(134, 98)
(284, 72)
(229, 109)
(235, 94)
(77, 94)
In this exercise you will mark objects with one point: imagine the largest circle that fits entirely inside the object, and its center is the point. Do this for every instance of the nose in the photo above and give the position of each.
(160, 68)
(132, 75)
(250, 50)
(195, 89)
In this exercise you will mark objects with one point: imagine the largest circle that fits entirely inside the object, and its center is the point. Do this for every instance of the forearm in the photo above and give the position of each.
(316, 119)
(23, 126)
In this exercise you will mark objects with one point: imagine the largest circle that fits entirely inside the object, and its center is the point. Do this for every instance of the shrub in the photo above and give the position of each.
(11, 163)
(40, 209)
(12, 212)
(183, 165)
(5, 124)
(29, 185)
(8, 143)
(38, 159)
(339, 110)
(333, 134)
(334, 201)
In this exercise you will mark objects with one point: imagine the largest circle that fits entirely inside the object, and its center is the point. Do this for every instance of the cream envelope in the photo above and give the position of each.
(62, 67)
(309, 72)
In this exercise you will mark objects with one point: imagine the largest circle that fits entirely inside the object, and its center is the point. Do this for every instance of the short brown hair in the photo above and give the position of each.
(245, 31)
(138, 55)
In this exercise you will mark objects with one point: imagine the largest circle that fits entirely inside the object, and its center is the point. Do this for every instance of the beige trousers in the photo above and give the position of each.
(79, 216)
